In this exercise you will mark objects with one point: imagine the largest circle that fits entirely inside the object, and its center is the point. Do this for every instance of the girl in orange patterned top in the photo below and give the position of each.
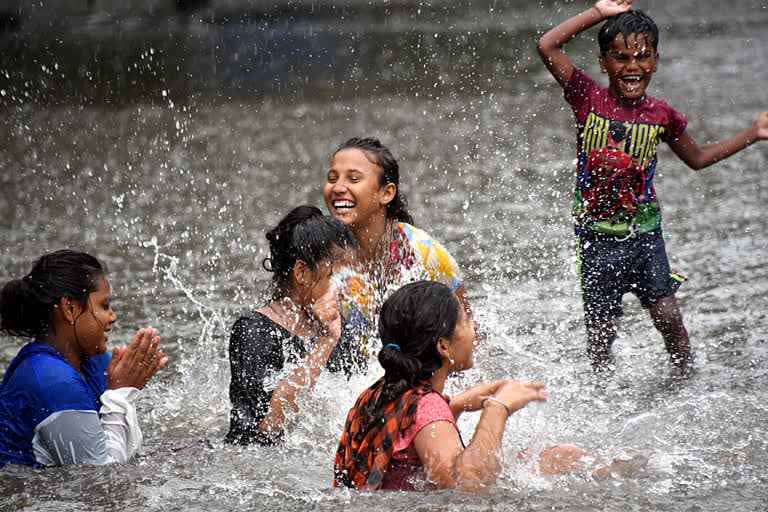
(401, 433)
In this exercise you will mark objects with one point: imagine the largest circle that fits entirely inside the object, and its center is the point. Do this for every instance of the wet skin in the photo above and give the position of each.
(463, 342)
(353, 191)
(94, 323)
(630, 65)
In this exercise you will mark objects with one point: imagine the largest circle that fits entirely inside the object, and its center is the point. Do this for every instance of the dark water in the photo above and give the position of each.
(167, 143)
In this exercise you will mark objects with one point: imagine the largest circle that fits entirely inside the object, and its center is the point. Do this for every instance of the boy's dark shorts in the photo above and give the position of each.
(611, 266)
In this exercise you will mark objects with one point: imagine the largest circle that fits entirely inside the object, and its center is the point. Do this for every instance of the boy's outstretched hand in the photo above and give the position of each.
(608, 8)
(761, 126)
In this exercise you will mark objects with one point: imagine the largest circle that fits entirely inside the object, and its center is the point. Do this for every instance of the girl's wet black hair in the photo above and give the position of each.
(626, 24)
(413, 318)
(304, 234)
(26, 304)
(397, 208)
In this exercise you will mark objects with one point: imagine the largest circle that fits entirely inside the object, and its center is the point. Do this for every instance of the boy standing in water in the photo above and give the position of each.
(624, 250)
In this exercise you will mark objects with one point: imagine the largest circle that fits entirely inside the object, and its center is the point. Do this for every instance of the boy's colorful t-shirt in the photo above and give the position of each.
(647, 124)
(413, 255)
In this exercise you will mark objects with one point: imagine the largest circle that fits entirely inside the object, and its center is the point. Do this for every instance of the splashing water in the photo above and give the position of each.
(485, 146)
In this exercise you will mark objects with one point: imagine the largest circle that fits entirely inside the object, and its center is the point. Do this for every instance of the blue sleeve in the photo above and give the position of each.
(95, 370)
(54, 386)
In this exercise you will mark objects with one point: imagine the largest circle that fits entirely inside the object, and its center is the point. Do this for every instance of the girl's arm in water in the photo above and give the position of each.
(449, 465)
(472, 398)
(326, 311)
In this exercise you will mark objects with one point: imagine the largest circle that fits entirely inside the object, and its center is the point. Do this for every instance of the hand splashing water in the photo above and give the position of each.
(200, 376)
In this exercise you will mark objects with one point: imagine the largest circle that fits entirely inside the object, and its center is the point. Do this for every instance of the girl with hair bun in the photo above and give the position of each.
(362, 190)
(282, 347)
(385, 444)
(64, 399)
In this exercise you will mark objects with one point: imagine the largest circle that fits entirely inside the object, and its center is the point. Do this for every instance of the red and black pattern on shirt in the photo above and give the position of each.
(365, 451)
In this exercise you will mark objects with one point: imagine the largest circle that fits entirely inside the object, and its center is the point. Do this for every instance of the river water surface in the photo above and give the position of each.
(167, 144)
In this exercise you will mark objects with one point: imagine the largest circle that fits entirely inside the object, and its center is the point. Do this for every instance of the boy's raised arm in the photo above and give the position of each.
(551, 43)
(698, 157)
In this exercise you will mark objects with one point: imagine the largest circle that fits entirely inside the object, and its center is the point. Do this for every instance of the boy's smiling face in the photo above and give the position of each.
(630, 64)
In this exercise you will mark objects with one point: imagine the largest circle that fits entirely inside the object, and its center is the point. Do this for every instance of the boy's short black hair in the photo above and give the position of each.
(626, 24)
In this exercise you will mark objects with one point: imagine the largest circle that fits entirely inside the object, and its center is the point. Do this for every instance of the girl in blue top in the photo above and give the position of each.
(63, 398)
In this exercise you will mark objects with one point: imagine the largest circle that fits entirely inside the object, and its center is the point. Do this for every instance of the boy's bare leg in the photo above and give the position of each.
(601, 333)
(668, 319)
